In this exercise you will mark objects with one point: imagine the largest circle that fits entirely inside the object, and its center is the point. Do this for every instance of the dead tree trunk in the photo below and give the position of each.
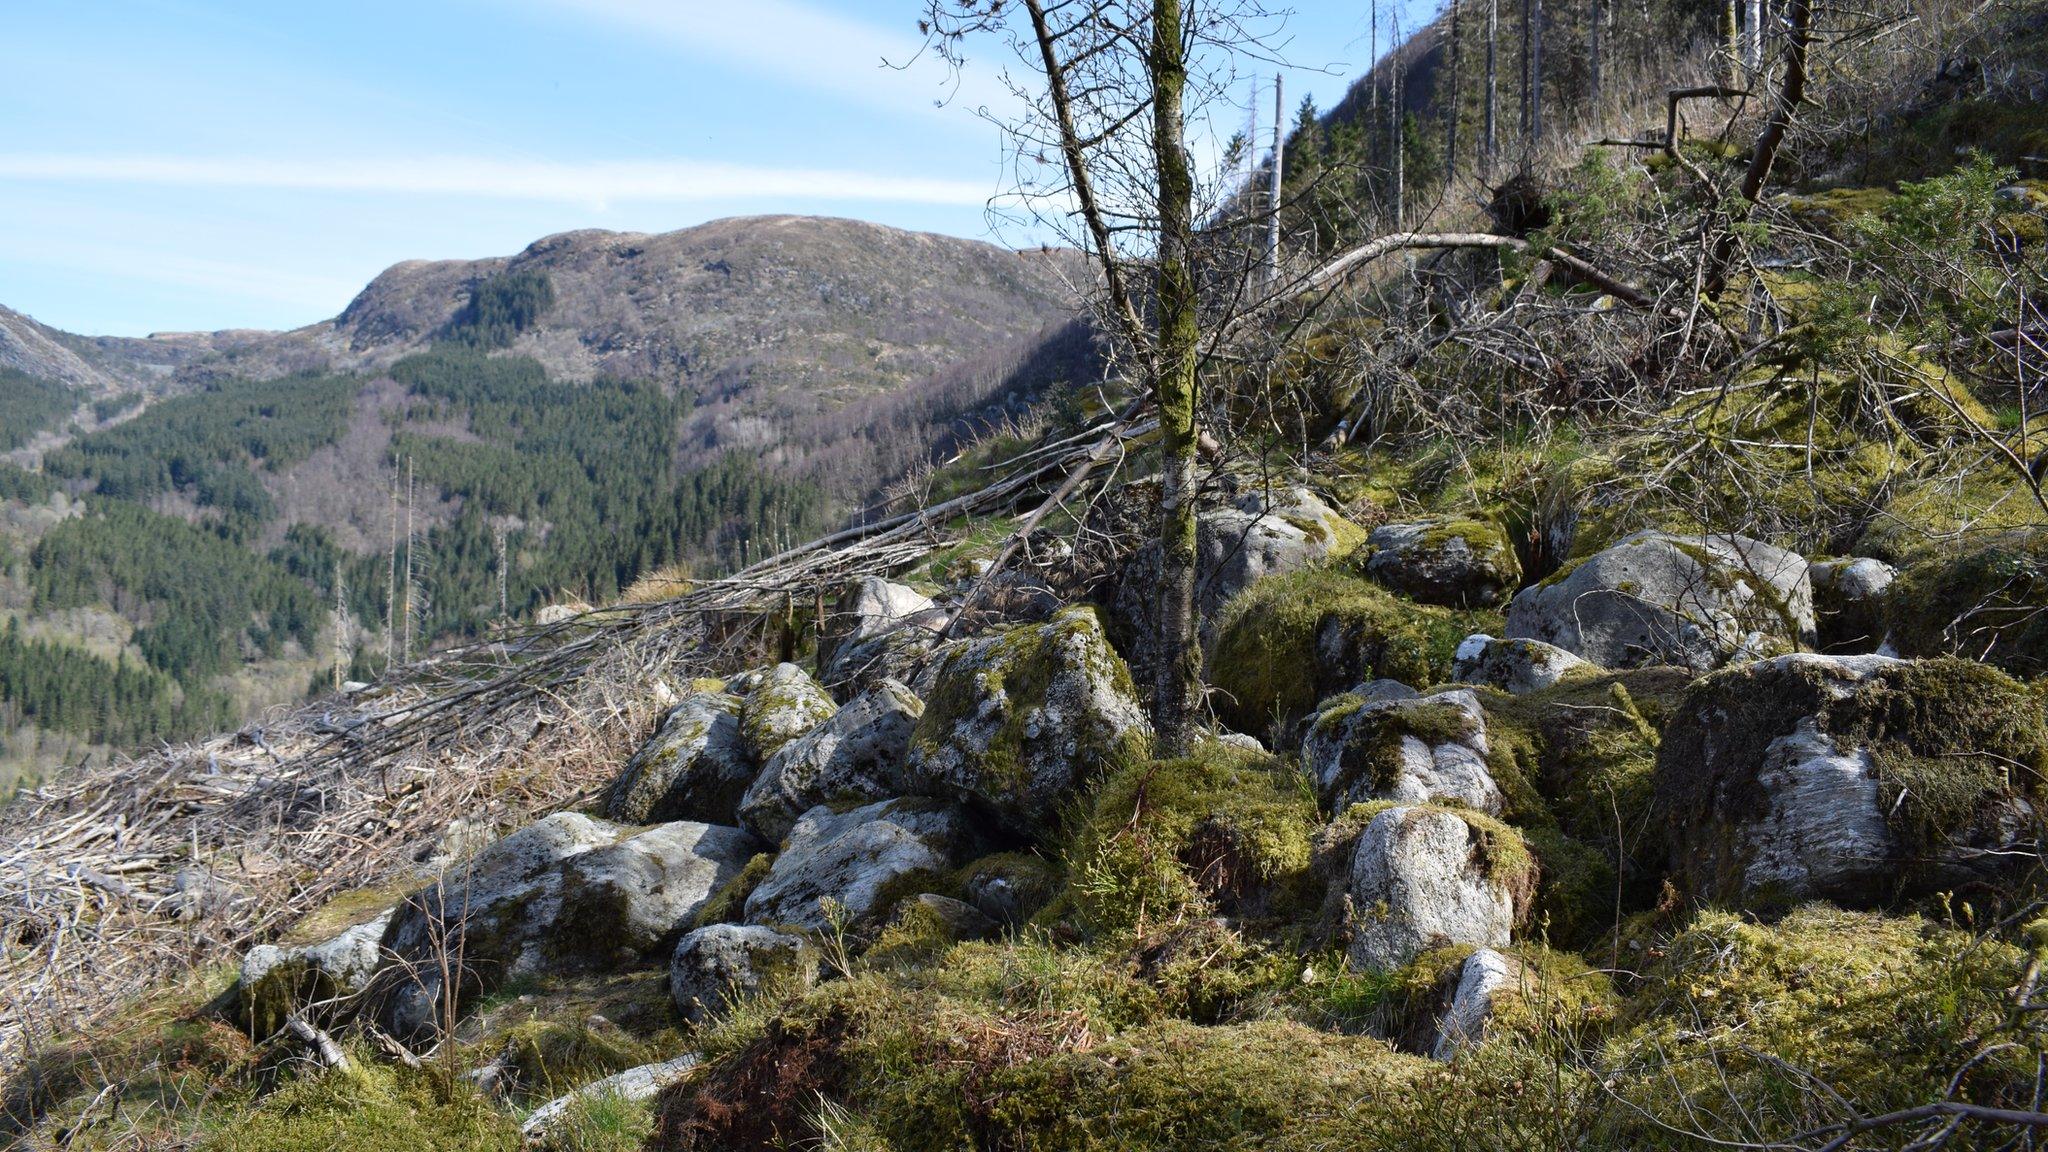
(1791, 94)
(1452, 103)
(1491, 146)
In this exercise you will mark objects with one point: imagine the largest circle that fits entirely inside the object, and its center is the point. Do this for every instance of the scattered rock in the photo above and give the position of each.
(1453, 561)
(1853, 778)
(1483, 977)
(858, 859)
(279, 981)
(856, 755)
(1849, 601)
(1655, 598)
(1019, 720)
(567, 889)
(692, 769)
(1009, 887)
(1513, 666)
(784, 705)
(720, 963)
(958, 919)
(633, 1085)
(1412, 750)
(881, 630)
(1424, 877)
(1240, 741)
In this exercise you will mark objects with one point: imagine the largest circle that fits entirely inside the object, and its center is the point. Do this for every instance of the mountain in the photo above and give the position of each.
(559, 422)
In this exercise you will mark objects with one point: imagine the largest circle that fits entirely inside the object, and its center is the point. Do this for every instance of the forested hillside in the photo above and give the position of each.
(181, 547)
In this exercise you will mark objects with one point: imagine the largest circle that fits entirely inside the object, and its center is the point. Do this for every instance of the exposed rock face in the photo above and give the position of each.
(785, 704)
(1235, 544)
(1513, 666)
(856, 755)
(1414, 750)
(854, 858)
(693, 768)
(630, 899)
(1456, 562)
(1848, 602)
(1485, 975)
(1851, 778)
(1423, 878)
(882, 630)
(567, 889)
(1655, 598)
(278, 981)
(1019, 720)
(718, 963)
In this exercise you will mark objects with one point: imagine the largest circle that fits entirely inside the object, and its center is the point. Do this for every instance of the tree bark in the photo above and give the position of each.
(1491, 145)
(1452, 105)
(1791, 94)
(1535, 92)
(1397, 142)
(1178, 690)
(1593, 54)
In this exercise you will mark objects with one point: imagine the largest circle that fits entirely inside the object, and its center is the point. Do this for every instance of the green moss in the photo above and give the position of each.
(1555, 998)
(1987, 599)
(1226, 829)
(1781, 1020)
(1032, 880)
(729, 903)
(368, 1106)
(1578, 896)
(1291, 640)
(599, 1122)
(550, 1057)
(1949, 738)
(1487, 572)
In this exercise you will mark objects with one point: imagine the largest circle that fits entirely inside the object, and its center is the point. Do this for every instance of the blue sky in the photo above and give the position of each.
(201, 164)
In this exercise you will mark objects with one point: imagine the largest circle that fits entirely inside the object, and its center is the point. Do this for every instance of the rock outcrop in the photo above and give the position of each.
(1424, 877)
(1019, 720)
(693, 768)
(1454, 561)
(1854, 778)
(1415, 750)
(277, 982)
(1849, 602)
(880, 630)
(857, 860)
(1655, 598)
(783, 705)
(1515, 667)
(854, 756)
(719, 963)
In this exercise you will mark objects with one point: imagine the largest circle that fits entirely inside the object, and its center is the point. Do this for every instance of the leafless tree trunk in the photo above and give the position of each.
(1532, 71)
(1396, 142)
(1791, 94)
(1593, 53)
(1453, 105)
(1491, 146)
(1178, 692)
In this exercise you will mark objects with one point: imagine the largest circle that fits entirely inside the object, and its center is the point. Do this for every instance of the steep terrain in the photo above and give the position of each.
(1626, 725)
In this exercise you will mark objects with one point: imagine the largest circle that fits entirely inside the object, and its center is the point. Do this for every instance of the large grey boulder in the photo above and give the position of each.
(1018, 721)
(1849, 602)
(881, 630)
(1424, 877)
(1515, 667)
(1254, 535)
(278, 981)
(1856, 779)
(1695, 601)
(692, 769)
(783, 705)
(856, 755)
(1454, 561)
(567, 890)
(857, 859)
(1412, 750)
(719, 963)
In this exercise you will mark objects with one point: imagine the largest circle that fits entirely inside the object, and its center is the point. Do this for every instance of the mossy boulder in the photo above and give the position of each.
(1515, 666)
(1458, 562)
(1451, 1000)
(1861, 779)
(719, 964)
(1425, 877)
(277, 982)
(1411, 750)
(1292, 640)
(854, 756)
(1819, 1006)
(1225, 830)
(1009, 887)
(693, 768)
(629, 900)
(1849, 597)
(783, 705)
(1986, 599)
(879, 629)
(851, 867)
(1018, 722)
(1657, 598)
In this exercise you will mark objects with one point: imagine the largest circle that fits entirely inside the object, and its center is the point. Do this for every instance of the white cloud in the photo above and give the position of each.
(803, 45)
(596, 183)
